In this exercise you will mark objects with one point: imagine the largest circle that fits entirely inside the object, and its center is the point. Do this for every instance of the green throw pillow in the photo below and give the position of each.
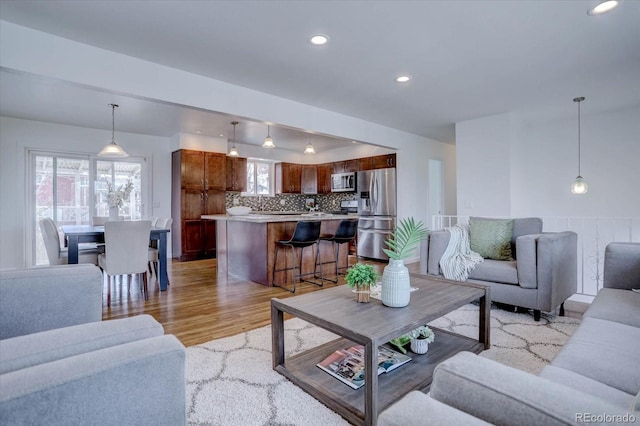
(491, 238)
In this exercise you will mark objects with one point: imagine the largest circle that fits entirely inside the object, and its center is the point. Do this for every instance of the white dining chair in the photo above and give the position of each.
(126, 252)
(55, 253)
(154, 254)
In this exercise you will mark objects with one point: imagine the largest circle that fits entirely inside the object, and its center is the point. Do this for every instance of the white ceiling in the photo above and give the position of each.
(468, 59)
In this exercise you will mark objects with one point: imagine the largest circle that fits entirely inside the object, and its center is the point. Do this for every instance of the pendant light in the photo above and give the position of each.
(234, 151)
(309, 149)
(579, 186)
(268, 141)
(112, 149)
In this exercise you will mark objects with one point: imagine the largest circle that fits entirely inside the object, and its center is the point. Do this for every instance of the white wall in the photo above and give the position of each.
(18, 136)
(30, 51)
(539, 162)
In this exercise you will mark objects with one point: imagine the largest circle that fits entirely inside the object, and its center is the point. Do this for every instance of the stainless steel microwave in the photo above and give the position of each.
(343, 182)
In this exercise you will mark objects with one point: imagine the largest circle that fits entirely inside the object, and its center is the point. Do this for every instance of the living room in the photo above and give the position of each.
(513, 159)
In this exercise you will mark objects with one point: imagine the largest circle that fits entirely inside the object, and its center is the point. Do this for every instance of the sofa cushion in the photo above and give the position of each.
(500, 271)
(604, 351)
(39, 348)
(587, 385)
(616, 305)
(491, 238)
(622, 265)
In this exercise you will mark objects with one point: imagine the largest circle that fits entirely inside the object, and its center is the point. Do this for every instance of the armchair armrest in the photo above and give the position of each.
(141, 382)
(500, 394)
(557, 256)
(622, 266)
(41, 299)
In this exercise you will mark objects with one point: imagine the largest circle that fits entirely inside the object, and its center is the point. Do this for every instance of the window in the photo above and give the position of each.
(61, 189)
(259, 177)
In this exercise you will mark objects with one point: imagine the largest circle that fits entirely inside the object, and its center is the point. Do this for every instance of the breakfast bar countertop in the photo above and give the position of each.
(278, 217)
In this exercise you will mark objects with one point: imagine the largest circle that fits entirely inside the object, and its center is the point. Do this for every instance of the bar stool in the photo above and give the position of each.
(306, 234)
(345, 233)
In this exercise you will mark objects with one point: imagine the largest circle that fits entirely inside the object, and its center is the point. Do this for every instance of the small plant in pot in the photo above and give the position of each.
(420, 339)
(361, 277)
(402, 243)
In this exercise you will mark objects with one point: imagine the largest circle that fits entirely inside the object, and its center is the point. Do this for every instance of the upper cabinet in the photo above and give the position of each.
(236, 174)
(324, 177)
(202, 170)
(383, 161)
(309, 179)
(288, 178)
(345, 166)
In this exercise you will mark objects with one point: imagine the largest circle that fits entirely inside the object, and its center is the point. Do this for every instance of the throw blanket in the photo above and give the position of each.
(458, 259)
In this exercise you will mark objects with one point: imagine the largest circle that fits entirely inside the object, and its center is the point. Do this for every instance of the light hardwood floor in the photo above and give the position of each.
(198, 306)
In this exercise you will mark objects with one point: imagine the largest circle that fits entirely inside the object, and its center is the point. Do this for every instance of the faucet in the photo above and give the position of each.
(260, 202)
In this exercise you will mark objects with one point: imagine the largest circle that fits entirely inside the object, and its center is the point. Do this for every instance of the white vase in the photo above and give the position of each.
(419, 346)
(396, 286)
(113, 213)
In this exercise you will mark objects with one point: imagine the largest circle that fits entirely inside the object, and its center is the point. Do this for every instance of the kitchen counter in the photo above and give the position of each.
(279, 217)
(245, 245)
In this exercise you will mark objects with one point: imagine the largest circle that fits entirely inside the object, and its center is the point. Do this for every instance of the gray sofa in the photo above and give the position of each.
(594, 379)
(541, 277)
(61, 365)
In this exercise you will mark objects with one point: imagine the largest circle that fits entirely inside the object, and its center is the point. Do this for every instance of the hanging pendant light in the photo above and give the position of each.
(112, 149)
(309, 149)
(268, 141)
(579, 186)
(234, 151)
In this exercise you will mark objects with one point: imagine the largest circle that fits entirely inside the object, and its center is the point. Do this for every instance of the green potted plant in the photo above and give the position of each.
(396, 288)
(361, 277)
(420, 339)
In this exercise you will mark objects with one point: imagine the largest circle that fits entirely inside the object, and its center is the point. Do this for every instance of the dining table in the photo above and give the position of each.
(76, 234)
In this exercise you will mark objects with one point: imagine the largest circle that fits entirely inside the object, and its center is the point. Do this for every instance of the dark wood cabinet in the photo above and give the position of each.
(324, 178)
(309, 179)
(288, 178)
(383, 161)
(345, 166)
(236, 178)
(198, 183)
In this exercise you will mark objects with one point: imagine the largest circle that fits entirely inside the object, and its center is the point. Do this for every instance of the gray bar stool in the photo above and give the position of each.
(345, 233)
(306, 234)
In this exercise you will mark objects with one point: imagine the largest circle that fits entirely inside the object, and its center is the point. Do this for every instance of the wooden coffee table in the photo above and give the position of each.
(371, 325)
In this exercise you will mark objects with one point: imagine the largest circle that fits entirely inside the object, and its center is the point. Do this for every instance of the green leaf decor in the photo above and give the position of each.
(405, 239)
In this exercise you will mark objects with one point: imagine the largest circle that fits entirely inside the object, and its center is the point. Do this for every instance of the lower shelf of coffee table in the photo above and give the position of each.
(417, 374)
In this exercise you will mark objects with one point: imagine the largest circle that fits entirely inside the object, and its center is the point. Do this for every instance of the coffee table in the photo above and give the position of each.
(371, 325)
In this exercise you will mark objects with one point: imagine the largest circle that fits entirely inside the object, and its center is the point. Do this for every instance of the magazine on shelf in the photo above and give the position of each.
(347, 365)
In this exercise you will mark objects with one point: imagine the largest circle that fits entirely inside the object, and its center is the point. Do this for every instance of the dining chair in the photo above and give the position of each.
(154, 254)
(55, 253)
(126, 251)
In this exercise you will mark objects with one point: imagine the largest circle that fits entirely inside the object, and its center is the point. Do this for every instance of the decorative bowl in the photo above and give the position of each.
(239, 210)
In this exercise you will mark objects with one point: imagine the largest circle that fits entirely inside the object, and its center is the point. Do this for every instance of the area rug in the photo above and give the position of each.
(230, 381)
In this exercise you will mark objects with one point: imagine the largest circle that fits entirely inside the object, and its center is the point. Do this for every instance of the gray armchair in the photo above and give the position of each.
(541, 277)
(60, 364)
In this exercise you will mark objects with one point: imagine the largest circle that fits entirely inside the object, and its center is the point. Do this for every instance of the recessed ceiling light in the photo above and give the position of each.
(319, 39)
(603, 7)
(199, 132)
(403, 78)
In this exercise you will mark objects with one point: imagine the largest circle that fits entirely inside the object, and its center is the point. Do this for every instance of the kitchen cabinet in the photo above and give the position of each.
(323, 174)
(309, 179)
(288, 178)
(383, 161)
(198, 183)
(236, 174)
(345, 166)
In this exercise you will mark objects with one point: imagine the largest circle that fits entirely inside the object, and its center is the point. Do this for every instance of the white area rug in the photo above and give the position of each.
(230, 381)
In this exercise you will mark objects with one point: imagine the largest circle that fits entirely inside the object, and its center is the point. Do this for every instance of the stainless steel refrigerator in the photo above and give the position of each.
(376, 210)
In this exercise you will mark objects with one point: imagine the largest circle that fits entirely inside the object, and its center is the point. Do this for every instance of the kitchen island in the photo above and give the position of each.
(246, 245)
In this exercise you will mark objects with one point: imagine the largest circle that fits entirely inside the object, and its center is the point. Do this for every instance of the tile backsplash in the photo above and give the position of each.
(288, 202)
